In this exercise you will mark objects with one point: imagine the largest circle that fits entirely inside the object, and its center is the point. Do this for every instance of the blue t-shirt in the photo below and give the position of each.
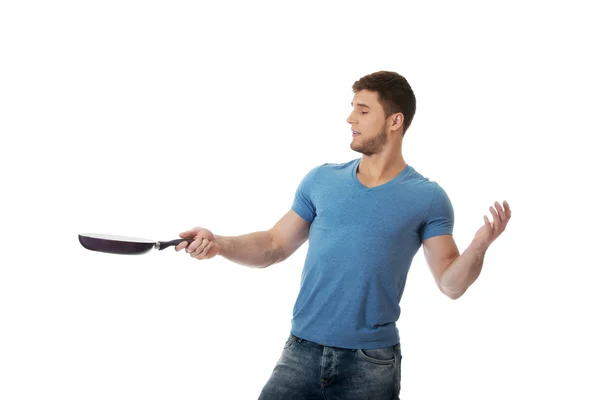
(360, 247)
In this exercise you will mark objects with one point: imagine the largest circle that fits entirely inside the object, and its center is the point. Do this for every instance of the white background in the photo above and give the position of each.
(148, 118)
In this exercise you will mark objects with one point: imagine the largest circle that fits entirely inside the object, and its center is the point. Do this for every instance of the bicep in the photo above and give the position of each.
(290, 232)
(440, 252)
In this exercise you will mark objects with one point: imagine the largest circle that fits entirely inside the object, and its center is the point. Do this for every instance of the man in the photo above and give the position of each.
(365, 220)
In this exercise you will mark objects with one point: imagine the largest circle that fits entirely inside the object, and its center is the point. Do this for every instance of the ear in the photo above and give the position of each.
(397, 121)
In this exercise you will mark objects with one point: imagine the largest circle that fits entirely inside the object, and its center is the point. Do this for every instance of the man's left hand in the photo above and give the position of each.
(491, 230)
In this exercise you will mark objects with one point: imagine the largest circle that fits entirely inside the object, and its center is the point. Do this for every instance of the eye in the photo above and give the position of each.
(364, 112)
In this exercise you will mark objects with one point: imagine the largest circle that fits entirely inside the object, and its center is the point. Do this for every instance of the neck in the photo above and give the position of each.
(382, 167)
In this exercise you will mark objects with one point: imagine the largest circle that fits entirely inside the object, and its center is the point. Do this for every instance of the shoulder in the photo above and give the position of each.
(330, 169)
(421, 182)
(339, 166)
(429, 191)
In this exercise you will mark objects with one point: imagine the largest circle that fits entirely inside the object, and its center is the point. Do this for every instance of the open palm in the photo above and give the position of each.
(491, 230)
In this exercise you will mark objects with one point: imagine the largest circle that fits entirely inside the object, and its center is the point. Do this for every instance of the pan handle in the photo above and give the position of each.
(164, 245)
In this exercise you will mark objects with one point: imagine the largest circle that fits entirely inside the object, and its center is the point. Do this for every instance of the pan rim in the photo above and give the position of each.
(116, 238)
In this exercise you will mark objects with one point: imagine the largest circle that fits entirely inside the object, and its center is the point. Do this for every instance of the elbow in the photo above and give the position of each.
(271, 262)
(452, 294)
(275, 254)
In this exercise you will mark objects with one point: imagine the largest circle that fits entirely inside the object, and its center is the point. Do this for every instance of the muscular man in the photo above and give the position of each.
(364, 220)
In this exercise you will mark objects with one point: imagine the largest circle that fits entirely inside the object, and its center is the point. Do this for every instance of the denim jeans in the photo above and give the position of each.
(310, 371)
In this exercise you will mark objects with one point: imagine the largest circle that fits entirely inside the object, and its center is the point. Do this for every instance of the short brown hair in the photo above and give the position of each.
(395, 93)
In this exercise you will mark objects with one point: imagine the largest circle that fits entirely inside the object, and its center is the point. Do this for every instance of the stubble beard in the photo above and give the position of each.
(373, 145)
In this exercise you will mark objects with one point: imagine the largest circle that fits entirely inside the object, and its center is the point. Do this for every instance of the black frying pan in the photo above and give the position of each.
(115, 244)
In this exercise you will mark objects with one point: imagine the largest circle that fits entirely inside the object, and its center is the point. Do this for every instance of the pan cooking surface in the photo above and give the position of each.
(117, 238)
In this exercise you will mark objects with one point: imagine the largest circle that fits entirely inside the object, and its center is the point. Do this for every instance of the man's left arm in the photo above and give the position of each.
(455, 272)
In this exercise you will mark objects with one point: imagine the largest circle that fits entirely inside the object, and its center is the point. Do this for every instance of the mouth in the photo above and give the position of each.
(355, 133)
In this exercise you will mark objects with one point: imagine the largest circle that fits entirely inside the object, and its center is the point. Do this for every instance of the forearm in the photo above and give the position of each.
(465, 270)
(257, 249)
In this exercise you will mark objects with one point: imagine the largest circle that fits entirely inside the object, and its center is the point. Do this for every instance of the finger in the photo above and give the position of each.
(202, 244)
(489, 228)
(193, 245)
(487, 222)
(200, 255)
(494, 214)
(182, 245)
(500, 211)
(497, 222)
(200, 249)
(188, 234)
(507, 210)
(204, 252)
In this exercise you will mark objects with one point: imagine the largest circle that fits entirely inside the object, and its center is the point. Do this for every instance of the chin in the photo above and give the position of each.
(357, 149)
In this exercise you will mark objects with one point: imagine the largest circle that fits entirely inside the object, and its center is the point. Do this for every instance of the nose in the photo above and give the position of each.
(349, 119)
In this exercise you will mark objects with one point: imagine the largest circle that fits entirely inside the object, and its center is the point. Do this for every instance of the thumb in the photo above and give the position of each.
(189, 234)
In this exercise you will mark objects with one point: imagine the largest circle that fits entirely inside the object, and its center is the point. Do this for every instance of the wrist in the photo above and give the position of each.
(479, 247)
(223, 243)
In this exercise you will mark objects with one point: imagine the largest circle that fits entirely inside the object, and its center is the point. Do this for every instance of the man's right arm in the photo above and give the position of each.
(265, 248)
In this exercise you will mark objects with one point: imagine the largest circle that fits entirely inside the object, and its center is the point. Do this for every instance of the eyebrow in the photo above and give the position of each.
(359, 104)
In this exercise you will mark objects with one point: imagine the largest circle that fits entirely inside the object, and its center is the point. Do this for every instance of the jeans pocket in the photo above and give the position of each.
(382, 356)
(290, 340)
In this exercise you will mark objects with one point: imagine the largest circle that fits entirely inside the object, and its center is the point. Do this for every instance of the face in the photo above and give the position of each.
(370, 128)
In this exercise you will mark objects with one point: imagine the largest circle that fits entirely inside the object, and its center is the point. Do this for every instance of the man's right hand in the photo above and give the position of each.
(201, 245)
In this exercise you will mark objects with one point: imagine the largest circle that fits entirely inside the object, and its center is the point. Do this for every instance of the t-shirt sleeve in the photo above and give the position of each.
(303, 203)
(440, 218)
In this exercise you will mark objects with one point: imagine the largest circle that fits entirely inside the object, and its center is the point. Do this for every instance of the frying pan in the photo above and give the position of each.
(116, 244)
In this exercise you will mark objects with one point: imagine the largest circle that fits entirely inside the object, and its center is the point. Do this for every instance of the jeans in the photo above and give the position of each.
(310, 371)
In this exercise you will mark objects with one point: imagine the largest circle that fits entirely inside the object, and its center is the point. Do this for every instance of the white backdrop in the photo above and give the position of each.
(149, 118)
